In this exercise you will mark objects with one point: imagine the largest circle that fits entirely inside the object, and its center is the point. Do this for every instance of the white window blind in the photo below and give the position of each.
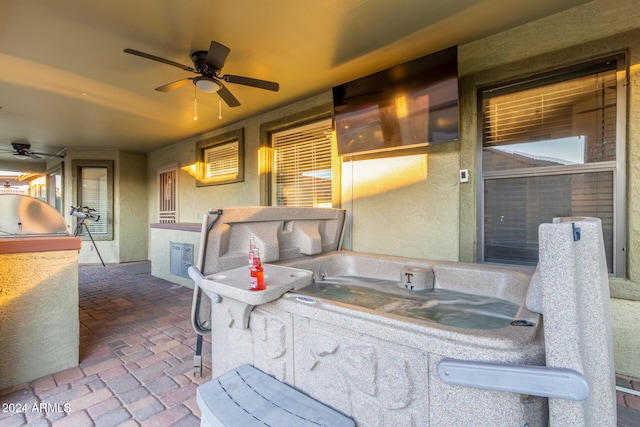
(94, 195)
(550, 148)
(221, 162)
(167, 195)
(547, 119)
(302, 164)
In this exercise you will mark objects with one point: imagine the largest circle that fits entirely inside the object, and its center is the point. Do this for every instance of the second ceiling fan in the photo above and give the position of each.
(208, 64)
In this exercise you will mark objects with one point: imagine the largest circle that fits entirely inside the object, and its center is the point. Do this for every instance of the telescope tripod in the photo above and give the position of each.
(79, 229)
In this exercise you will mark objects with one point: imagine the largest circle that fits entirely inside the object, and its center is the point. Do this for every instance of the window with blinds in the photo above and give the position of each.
(302, 165)
(93, 180)
(221, 162)
(168, 195)
(552, 146)
(94, 195)
(220, 159)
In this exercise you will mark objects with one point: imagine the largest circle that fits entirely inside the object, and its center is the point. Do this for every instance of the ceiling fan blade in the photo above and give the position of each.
(217, 55)
(157, 58)
(26, 155)
(173, 85)
(32, 153)
(228, 97)
(248, 81)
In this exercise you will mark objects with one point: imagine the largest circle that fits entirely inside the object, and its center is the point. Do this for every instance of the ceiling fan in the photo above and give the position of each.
(22, 151)
(208, 64)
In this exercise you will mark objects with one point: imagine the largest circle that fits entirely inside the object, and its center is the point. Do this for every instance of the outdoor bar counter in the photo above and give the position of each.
(39, 325)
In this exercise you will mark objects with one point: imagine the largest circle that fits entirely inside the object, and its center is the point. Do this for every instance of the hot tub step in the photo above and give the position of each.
(248, 397)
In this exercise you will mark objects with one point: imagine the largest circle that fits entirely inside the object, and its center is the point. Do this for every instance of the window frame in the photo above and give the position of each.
(77, 166)
(617, 166)
(219, 140)
(57, 171)
(266, 158)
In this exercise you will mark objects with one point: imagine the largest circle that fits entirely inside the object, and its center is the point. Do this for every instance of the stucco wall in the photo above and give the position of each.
(193, 202)
(577, 35)
(593, 30)
(39, 325)
(130, 236)
(414, 205)
(423, 185)
(159, 252)
(109, 249)
(131, 207)
(404, 205)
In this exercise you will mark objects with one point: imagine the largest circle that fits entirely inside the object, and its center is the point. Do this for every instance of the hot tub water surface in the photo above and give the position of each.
(446, 307)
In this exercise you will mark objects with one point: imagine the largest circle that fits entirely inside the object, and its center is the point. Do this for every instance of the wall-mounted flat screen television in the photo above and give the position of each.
(409, 105)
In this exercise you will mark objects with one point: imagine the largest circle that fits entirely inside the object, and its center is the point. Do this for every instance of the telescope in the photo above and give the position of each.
(84, 213)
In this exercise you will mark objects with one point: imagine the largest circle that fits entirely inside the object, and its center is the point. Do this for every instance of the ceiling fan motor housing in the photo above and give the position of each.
(199, 57)
(20, 147)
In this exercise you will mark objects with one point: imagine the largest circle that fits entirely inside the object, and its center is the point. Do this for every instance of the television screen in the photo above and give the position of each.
(409, 105)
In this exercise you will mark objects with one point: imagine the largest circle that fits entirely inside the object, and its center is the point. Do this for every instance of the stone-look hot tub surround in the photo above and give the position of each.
(378, 368)
(381, 369)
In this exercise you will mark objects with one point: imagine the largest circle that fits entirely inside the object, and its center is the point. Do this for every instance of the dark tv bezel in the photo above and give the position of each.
(409, 77)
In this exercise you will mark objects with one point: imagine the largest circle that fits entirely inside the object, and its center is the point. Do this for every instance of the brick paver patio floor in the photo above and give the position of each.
(136, 359)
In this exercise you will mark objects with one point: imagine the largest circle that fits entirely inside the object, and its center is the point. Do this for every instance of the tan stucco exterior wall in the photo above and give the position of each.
(594, 30)
(414, 205)
(159, 252)
(577, 35)
(131, 206)
(39, 324)
(193, 202)
(130, 236)
(404, 205)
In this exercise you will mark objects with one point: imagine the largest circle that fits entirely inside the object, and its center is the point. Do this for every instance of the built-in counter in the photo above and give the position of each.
(179, 226)
(161, 239)
(39, 324)
(40, 243)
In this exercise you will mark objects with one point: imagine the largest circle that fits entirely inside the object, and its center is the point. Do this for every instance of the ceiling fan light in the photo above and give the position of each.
(21, 156)
(207, 84)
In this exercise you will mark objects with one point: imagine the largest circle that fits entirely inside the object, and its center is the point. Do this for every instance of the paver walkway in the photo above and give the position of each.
(136, 358)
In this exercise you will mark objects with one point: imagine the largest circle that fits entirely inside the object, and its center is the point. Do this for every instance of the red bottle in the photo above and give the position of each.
(257, 273)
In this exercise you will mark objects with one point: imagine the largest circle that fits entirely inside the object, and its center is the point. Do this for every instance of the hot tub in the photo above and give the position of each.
(377, 358)
(380, 366)
(467, 296)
